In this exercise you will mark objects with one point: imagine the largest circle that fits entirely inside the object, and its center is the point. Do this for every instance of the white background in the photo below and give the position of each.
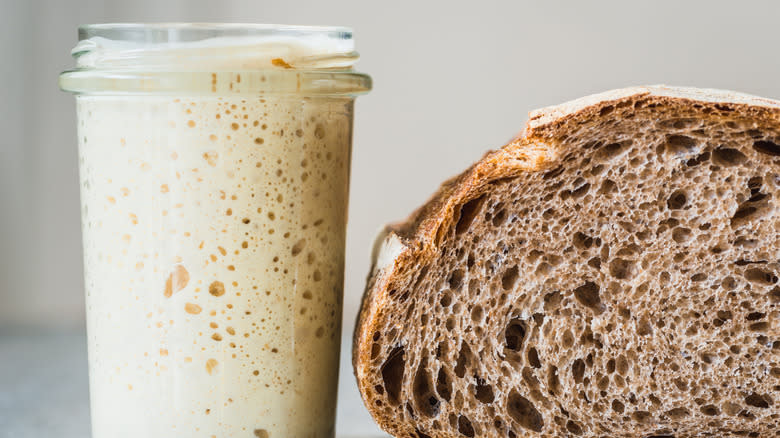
(452, 79)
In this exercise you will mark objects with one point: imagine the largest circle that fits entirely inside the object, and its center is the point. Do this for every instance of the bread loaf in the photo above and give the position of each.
(611, 272)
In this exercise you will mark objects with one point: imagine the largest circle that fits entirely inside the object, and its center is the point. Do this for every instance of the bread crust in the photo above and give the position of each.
(414, 242)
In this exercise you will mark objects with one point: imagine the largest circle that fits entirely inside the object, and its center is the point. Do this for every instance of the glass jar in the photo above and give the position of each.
(214, 165)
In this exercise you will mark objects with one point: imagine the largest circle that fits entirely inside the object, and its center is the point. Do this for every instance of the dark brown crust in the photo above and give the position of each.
(532, 151)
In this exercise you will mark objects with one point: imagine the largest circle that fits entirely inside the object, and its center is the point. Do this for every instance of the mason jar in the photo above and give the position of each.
(214, 168)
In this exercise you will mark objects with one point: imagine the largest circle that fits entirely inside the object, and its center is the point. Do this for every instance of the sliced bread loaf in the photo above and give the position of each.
(611, 272)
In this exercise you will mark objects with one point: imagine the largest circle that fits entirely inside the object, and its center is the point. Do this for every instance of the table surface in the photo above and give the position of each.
(44, 388)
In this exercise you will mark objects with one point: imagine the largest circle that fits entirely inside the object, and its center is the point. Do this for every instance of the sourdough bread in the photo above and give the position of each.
(613, 271)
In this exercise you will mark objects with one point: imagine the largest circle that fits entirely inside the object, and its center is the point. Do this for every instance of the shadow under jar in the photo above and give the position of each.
(214, 167)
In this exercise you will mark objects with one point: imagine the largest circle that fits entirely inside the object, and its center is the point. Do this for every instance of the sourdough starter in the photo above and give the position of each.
(214, 229)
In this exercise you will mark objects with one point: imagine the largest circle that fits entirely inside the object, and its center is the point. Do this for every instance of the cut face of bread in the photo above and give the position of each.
(612, 272)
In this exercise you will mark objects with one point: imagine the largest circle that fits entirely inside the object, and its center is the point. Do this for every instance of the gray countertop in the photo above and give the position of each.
(44, 392)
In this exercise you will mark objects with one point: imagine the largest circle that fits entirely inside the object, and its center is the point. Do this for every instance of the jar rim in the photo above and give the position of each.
(199, 30)
(149, 57)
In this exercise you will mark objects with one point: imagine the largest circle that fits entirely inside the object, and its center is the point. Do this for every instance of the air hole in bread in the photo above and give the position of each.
(756, 275)
(596, 170)
(375, 350)
(573, 428)
(499, 217)
(456, 279)
(446, 298)
(533, 358)
(553, 383)
(595, 263)
(644, 328)
(709, 410)
(579, 188)
(483, 391)
(680, 123)
(477, 314)
(751, 211)
(774, 295)
(509, 278)
(767, 147)
(618, 406)
(552, 301)
(698, 277)
(425, 399)
(421, 276)
(677, 413)
(611, 151)
(681, 234)
(410, 410)
(588, 296)
(444, 384)
(667, 224)
(708, 358)
(622, 269)
(578, 370)
(759, 327)
(758, 401)
(754, 185)
(754, 133)
(701, 158)
(602, 382)
(727, 157)
(542, 269)
(582, 241)
(676, 200)
(606, 110)
(642, 416)
(746, 414)
(731, 408)
(756, 197)
(607, 186)
(468, 212)
(449, 324)
(522, 411)
(442, 349)
(567, 340)
(393, 374)
(529, 378)
(553, 173)
(464, 426)
(679, 144)
(464, 359)
(514, 334)
(621, 365)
